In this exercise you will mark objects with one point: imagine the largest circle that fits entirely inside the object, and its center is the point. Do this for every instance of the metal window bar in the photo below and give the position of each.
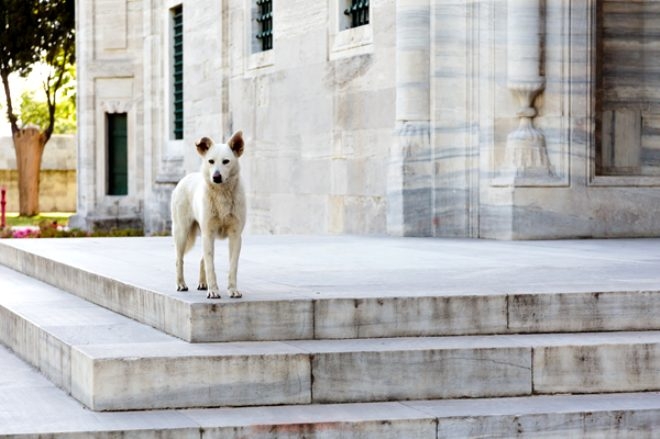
(177, 71)
(265, 20)
(358, 12)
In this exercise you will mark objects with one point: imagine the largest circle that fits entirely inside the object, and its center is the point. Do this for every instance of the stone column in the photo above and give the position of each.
(410, 183)
(526, 158)
(86, 181)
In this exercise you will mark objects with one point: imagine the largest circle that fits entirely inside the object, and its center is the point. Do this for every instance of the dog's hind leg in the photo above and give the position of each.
(234, 252)
(202, 286)
(184, 239)
(208, 242)
(180, 245)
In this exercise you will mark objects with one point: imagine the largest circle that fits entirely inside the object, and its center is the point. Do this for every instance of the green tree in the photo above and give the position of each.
(34, 111)
(32, 31)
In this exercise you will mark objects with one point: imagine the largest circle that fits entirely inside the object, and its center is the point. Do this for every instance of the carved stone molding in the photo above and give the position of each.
(526, 157)
(116, 106)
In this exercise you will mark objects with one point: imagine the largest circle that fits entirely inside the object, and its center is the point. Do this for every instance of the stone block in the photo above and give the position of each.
(626, 415)
(254, 320)
(625, 367)
(381, 429)
(381, 372)
(580, 312)
(169, 375)
(620, 424)
(409, 316)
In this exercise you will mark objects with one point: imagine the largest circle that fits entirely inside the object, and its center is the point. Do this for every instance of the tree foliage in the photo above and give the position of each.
(34, 108)
(32, 31)
(35, 112)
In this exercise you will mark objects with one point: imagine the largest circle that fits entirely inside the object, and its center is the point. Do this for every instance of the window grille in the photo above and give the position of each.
(177, 71)
(358, 13)
(117, 147)
(265, 20)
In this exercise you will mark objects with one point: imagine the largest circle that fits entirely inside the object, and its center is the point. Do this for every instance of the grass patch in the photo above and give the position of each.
(13, 219)
(53, 225)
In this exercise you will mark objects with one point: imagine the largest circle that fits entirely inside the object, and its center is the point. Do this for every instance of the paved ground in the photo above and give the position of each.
(338, 266)
(310, 266)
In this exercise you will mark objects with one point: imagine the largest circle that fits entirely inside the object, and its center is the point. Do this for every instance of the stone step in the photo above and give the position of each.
(110, 362)
(30, 406)
(300, 290)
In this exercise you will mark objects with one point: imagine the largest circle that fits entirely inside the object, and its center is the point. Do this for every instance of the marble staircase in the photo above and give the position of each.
(305, 362)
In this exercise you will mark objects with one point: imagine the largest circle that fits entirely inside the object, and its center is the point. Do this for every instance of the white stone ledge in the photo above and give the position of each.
(132, 282)
(110, 362)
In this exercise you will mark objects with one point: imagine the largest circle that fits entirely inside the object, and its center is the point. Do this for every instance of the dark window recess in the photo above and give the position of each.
(265, 20)
(117, 143)
(177, 71)
(358, 13)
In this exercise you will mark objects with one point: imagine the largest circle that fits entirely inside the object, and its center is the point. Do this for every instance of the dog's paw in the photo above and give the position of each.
(202, 287)
(181, 288)
(212, 295)
(235, 294)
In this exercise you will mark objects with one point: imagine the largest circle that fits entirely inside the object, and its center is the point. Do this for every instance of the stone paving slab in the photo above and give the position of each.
(32, 407)
(307, 287)
(110, 362)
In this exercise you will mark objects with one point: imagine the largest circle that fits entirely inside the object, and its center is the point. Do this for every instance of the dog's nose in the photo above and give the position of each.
(217, 178)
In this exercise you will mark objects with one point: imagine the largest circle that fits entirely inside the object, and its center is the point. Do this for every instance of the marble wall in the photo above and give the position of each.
(318, 112)
(506, 119)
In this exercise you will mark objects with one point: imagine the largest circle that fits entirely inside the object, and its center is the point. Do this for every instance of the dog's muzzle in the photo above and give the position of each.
(217, 178)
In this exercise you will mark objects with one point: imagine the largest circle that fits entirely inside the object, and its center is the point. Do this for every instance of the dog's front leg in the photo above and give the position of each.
(208, 242)
(180, 282)
(202, 286)
(234, 252)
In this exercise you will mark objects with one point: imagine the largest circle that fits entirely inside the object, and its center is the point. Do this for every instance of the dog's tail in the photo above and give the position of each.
(185, 238)
(191, 237)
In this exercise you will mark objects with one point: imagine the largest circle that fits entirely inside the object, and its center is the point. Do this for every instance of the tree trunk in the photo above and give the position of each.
(29, 145)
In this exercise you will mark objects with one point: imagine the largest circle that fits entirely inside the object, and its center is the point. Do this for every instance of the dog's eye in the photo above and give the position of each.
(211, 161)
(225, 161)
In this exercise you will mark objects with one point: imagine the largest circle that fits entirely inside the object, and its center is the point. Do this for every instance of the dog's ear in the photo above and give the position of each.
(203, 145)
(236, 143)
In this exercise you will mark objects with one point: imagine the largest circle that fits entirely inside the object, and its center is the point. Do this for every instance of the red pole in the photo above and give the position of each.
(3, 203)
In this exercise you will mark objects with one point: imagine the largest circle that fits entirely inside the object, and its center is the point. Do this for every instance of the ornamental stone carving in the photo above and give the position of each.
(116, 106)
(526, 157)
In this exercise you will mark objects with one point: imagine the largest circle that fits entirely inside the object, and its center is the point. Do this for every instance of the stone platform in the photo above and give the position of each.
(335, 337)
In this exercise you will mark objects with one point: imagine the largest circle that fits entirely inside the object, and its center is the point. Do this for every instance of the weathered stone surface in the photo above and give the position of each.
(425, 372)
(629, 365)
(32, 406)
(425, 289)
(580, 312)
(623, 415)
(409, 316)
(170, 375)
(112, 362)
(252, 320)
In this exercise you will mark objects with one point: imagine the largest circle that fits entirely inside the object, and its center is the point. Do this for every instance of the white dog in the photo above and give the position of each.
(213, 202)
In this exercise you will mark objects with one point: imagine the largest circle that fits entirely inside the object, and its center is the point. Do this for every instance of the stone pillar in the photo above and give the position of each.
(526, 158)
(85, 175)
(410, 183)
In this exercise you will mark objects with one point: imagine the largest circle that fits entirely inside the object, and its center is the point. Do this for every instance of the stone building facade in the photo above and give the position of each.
(506, 119)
